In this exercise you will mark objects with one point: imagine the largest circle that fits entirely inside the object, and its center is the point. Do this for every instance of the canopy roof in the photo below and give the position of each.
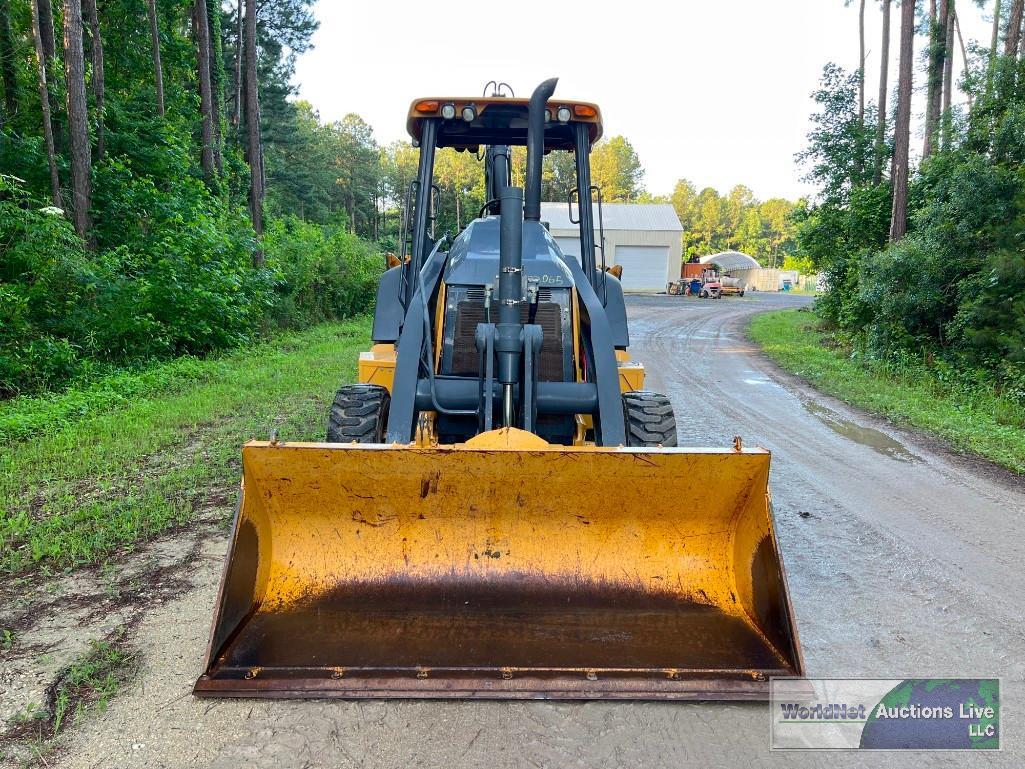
(731, 260)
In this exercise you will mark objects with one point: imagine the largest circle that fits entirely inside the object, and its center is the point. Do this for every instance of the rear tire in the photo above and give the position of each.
(359, 414)
(649, 419)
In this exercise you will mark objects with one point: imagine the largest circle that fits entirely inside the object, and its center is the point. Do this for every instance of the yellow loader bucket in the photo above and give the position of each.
(504, 567)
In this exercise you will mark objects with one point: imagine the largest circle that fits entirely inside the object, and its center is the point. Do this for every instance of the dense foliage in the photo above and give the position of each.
(162, 210)
(167, 265)
(949, 295)
(735, 222)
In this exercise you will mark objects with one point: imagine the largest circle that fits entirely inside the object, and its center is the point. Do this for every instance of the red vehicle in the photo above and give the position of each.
(715, 286)
(704, 280)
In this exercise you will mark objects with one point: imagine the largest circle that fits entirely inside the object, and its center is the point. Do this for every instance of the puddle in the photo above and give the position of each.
(866, 436)
(753, 377)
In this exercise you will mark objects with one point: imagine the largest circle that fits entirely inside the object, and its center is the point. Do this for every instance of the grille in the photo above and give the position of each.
(465, 360)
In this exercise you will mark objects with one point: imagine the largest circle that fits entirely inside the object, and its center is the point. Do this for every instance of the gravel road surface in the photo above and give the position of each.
(903, 559)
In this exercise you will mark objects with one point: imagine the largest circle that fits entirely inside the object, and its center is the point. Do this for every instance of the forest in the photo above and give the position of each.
(163, 192)
(147, 186)
(922, 245)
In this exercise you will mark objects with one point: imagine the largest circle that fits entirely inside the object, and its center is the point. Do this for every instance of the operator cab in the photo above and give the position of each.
(458, 280)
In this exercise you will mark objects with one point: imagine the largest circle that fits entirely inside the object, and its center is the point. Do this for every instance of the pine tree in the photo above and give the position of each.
(44, 103)
(1013, 29)
(201, 35)
(216, 79)
(948, 80)
(902, 131)
(938, 22)
(158, 67)
(8, 74)
(96, 45)
(254, 146)
(884, 96)
(78, 118)
(236, 109)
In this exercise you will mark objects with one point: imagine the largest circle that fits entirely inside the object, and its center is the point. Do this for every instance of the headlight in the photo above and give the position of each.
(448, 111)
(564, 114)
(469, 113)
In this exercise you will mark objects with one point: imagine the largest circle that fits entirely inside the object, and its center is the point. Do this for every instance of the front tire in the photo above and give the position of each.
(649, 419)
(359, 414)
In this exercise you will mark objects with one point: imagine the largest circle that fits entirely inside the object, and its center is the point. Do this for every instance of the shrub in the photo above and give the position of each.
(321, 272)
(171, 274)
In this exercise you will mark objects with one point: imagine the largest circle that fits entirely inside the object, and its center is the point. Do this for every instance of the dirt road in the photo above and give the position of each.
(903, 561)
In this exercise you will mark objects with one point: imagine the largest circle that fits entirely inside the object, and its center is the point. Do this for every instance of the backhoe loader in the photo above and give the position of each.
(500, 509)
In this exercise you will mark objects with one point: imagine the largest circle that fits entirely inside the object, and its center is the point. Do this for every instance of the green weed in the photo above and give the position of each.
(128, 470)
(952, 406)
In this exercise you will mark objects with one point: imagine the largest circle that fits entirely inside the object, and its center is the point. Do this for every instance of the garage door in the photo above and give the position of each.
(644, 267)
(569, 246)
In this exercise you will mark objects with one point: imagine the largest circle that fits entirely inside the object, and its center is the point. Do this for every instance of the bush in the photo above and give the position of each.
(906, 293)
(321, 273)
(171, 274)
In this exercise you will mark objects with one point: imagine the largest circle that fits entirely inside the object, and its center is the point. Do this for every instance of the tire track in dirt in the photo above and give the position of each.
(897, 568)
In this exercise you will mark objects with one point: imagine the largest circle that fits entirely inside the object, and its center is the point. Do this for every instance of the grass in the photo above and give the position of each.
(971, 420)
(86, 686)
(101, 472)
(91, 681)
(33, 415)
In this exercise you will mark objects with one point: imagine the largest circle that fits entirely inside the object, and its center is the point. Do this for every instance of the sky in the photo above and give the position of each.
(715, 92)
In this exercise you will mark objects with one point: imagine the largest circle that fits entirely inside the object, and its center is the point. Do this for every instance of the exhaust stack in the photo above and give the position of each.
(536, 148)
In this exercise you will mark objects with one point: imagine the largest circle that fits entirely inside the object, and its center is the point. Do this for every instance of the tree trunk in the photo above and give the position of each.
(993, 47)
(44, 101)
(1021, 38)
(861, 65)
(859, 160)
(937, 61)
(8, 74)
(46, 31)
(201, 33)
(884, 95)
(254, 147)
(158, 68)
(236, 112)
(1013, 28)
(964, 57)
(96, 42)
(213, 10)
(78, 117)
(930, 79)
(946, 118)
(899, 172)
(996, 30)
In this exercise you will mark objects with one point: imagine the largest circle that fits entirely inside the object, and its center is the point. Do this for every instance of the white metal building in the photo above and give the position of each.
(646, 239)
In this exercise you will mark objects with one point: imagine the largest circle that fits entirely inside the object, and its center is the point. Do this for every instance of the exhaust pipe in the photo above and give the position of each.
(536, 148)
